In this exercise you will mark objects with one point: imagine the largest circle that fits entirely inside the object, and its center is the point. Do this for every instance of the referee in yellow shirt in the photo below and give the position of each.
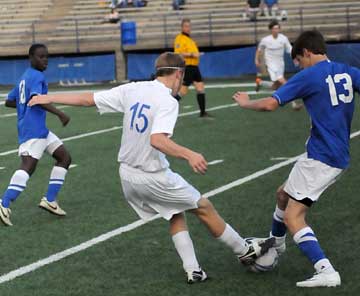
(187, 47)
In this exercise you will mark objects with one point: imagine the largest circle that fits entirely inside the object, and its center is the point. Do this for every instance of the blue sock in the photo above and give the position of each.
(309, 245)
(16, 186)
(278, 228)
(57, 178)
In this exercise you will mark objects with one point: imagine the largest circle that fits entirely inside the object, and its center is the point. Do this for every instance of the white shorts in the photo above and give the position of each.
(276, 72)
(165, 193)
(36, 147)
(309, 178)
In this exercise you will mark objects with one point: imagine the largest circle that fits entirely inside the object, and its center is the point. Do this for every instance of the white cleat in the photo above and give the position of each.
(321, 279)
(51, 206)
(5, 215)
(196, 276)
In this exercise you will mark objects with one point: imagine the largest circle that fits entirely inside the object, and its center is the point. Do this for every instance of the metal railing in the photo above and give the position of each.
(213, 28)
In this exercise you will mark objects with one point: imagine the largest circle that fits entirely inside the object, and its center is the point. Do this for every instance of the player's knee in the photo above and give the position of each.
(205, 207)
(64, 160)
(281, 197)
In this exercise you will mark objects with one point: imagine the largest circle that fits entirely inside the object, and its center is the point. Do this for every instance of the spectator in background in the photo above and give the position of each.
(177, 3)
(139, 3)
(252, 9)
(271, 7)
(113, 17)
(118, 3)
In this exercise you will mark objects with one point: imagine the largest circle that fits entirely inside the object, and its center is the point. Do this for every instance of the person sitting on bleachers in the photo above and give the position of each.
(252, 9)
(138, 3)
(118, 3)
(177, 4)
(271, 7)
(113, 17)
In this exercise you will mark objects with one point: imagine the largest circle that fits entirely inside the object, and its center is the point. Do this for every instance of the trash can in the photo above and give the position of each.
(128, 33)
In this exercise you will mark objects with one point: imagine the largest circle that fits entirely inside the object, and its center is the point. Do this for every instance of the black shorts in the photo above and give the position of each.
(192, 73)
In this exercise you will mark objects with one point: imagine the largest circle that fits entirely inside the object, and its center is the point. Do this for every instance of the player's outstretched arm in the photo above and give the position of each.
(169, 147)
(61, 115)
(74, 99)
(264, 104)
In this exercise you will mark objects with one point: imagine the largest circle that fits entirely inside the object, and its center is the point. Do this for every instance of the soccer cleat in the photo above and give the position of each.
(258, 84)
(321, 279)
(196, 276)
(5, 215)
(206, 115)
(51, 206)
(257, 247)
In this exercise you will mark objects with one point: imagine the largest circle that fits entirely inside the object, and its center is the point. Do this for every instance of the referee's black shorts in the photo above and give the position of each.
(192, 73)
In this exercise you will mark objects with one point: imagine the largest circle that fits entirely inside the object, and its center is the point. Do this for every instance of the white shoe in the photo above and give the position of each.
(51, 206)
(196, 276)
(5, 215)
(321, 279)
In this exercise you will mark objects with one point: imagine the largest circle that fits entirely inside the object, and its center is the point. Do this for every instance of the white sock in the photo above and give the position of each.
(267, 84)
(324, 266)
(232, 239)
(185, 248)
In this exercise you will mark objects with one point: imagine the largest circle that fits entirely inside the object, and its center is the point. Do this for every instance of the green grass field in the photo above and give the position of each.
(143, 261)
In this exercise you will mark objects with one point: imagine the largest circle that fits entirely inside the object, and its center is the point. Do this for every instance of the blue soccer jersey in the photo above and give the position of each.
(31, 120)
(327, 89)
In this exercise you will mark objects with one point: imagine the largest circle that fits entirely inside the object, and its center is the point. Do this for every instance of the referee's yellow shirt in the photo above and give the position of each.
(184, 44)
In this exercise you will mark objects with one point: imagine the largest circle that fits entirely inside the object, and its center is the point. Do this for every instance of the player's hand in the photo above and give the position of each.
(242, 98)
(38, 100)
(195, 54)
(64, 119)
(257, 64)
(198, 163)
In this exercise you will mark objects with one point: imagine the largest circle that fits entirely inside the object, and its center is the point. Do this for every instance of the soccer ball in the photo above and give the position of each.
(266, 262)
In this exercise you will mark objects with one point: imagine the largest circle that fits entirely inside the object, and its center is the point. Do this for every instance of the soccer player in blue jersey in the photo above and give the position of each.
(34, 136)
(327, 89)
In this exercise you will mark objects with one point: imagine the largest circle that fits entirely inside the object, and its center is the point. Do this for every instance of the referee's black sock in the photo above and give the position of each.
(201, 101)
(177, 97)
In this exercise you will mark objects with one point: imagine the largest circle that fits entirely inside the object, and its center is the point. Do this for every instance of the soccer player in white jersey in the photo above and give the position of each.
(34, 137)
(273, 47)
(327, 89)
(149, 186)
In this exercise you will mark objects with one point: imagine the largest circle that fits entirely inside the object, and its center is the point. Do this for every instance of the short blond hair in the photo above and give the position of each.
(168, 62)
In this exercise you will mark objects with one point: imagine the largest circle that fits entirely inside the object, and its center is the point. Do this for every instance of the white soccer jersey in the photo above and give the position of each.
(148, 108)
(274, 49)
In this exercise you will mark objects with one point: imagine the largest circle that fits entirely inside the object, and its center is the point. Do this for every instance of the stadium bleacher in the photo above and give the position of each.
(73, 26)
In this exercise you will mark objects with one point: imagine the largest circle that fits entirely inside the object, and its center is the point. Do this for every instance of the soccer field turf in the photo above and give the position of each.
(143, 261)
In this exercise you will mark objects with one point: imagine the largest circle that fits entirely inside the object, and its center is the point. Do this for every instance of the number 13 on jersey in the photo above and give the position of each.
(346, 81)
(139, 115)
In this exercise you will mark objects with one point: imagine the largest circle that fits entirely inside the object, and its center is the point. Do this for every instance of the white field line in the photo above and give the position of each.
(187, 107)
(15, 114)
(279, 158)
(215, 162)
(2, 168)
(73, 166)
(208, 85)
(85, 245)
(119, 127)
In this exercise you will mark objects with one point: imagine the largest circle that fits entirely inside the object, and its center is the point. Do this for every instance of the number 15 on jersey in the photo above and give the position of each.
(139, 116)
